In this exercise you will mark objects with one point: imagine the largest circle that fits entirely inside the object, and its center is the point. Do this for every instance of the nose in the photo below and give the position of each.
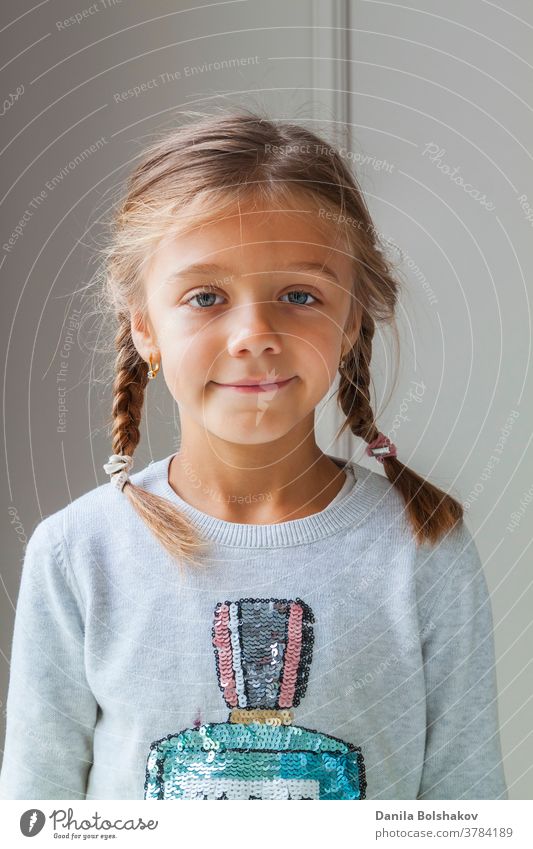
(253, 331)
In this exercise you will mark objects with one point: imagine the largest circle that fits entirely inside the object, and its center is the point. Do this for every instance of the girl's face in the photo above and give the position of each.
(260, 297)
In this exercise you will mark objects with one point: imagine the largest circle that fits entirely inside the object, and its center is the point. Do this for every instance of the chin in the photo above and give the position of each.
(249, 435)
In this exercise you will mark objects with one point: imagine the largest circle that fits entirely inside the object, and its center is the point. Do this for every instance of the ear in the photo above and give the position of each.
(143, 336)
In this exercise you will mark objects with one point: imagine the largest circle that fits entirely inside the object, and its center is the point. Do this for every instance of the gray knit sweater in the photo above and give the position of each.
(113, 648)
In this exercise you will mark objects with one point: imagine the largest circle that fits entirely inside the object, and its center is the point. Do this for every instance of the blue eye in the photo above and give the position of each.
(300, 292)
(199, 295)
(205, 292)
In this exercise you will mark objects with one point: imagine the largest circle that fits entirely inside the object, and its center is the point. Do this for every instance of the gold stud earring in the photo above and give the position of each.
(152, 371)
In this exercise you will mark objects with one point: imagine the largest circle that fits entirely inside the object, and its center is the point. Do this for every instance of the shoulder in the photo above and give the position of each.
(456, 553)
(450, 568)
(378, 483)
(383, 504)
(94, 520)
(456, 550)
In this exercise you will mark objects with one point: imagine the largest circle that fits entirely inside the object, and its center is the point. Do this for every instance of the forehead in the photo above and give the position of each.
(256, 240)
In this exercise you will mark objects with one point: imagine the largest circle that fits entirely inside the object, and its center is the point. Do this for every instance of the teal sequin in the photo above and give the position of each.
(254, 761)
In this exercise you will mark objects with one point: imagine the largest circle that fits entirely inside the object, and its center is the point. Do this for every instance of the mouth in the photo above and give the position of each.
(255, 387)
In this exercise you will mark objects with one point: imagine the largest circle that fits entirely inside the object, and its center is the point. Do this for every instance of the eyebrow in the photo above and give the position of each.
(213, 269)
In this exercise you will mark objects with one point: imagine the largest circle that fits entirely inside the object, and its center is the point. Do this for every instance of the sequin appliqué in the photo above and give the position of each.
(263, 652)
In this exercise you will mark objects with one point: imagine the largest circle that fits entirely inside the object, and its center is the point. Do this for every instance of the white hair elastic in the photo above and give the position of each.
(118, 467)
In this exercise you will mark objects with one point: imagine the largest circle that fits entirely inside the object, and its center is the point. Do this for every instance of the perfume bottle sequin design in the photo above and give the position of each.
(263, 651)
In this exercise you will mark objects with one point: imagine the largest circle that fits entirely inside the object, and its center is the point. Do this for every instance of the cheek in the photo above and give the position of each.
(179, 339)
(188, 362)
(322, 351)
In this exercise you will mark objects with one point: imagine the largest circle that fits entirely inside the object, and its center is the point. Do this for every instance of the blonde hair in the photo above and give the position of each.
(196, 173)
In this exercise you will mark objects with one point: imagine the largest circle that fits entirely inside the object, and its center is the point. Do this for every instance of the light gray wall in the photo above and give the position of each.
(400, 79)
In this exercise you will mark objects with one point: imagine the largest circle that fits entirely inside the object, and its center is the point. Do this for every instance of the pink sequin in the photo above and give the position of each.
(222, 641)
(292, 657)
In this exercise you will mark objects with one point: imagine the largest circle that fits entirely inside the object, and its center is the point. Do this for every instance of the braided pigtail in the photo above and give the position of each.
(173, 530)
(128, 391)
(430, 511)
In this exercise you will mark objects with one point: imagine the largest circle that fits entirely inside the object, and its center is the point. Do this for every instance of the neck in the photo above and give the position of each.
(288, 478)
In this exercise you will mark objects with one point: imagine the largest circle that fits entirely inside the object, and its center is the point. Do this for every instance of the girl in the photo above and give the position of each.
(251, 617)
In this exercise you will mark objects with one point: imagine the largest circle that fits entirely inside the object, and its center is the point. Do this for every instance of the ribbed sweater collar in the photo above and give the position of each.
(352, 510)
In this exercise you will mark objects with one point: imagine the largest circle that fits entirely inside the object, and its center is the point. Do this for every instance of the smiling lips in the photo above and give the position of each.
(246, 386)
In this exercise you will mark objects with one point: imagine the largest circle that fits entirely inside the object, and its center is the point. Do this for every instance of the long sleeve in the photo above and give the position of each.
(51, 711)
(463, 753)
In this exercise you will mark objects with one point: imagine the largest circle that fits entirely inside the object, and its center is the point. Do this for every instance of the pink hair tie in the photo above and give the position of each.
(381, 447)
